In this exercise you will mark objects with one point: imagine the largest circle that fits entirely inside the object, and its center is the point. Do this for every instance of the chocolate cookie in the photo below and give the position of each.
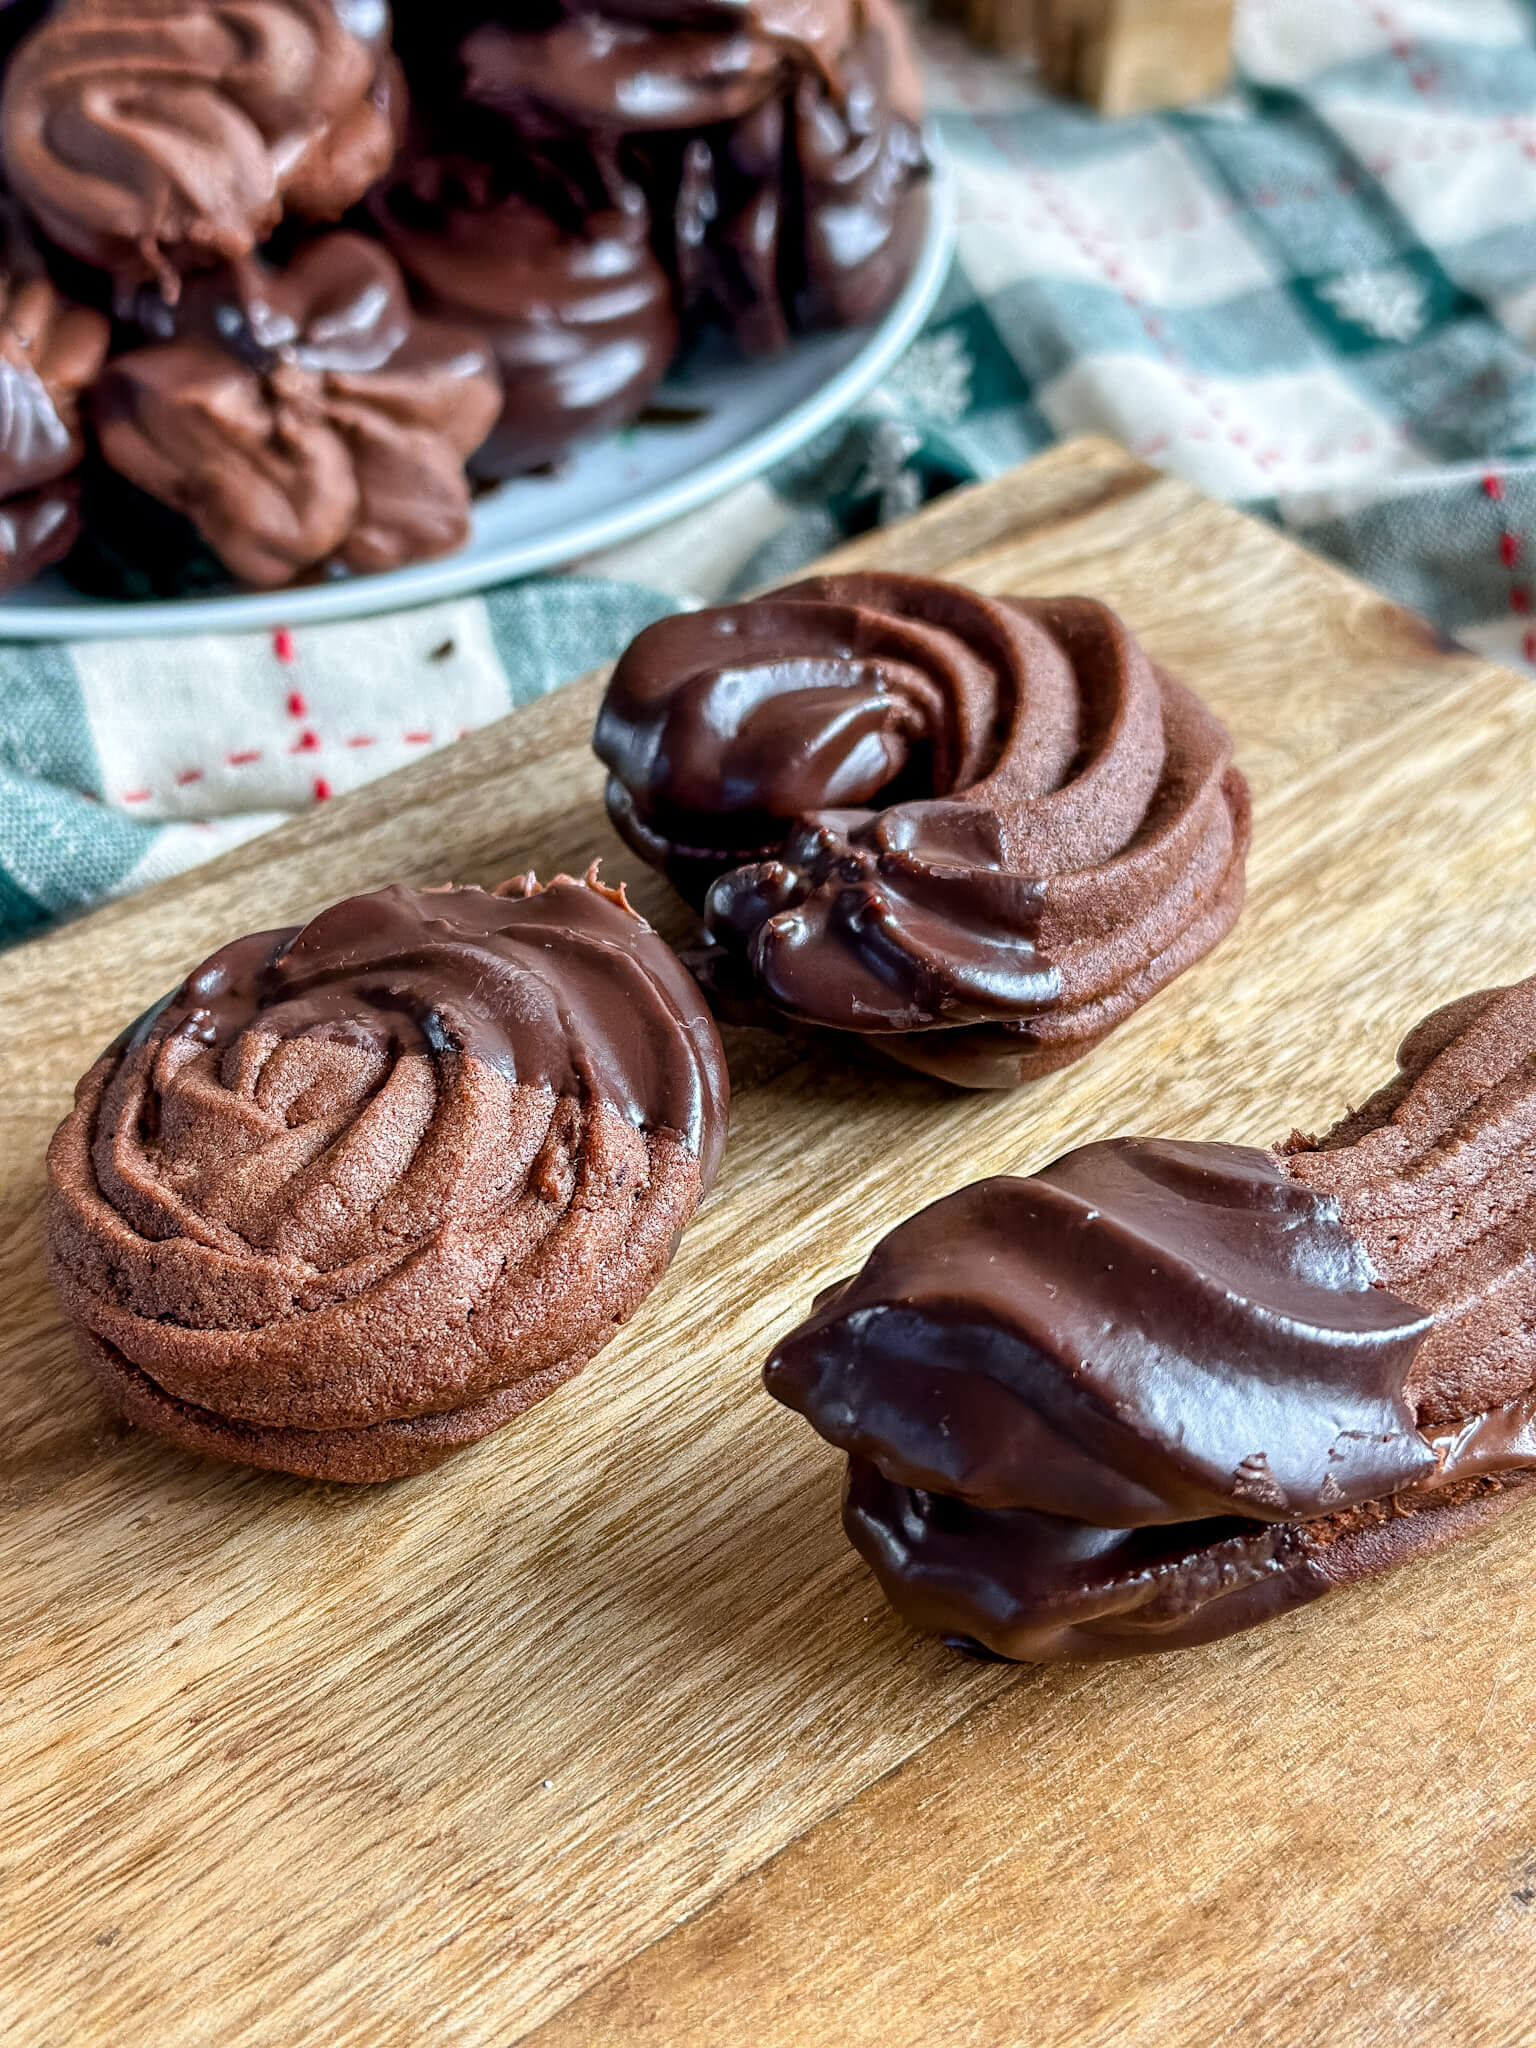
(977, 832)
(305, 416)
(651, 67)
(50, 351)
(778, 143)
(358, 1193)
(805, 212)
(153, 136)
(561, 282)
(1160, 1391)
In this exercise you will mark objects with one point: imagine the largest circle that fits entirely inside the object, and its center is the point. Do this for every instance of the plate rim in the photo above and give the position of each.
(461, 575)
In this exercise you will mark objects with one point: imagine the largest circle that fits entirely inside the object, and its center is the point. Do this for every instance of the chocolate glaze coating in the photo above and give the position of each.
(1034, 1588)
(607, 70)
(149, 136)
(304, 416)
(1160, 1391)
(1143, 1332)
(979, 832)
(37, 529)
(805, 211)
(779, 144)
(358, 1192)
(50, 350)
(570, 299)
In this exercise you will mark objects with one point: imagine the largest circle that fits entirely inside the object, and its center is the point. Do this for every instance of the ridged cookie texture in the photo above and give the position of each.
(358, 1193)
(975, 832)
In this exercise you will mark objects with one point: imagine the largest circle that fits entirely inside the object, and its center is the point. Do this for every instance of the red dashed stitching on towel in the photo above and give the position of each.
(136, 796)
(1422, 77)
(362, 739)
(297, 708)
(184, 776)
(244, 757)
(322, 789)
(1511, 547)
(308, 742)
(1076, 231)
(417, 739)
(282, 647)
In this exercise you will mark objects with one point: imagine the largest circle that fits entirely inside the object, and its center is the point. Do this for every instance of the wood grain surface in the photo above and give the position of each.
(601, 1733)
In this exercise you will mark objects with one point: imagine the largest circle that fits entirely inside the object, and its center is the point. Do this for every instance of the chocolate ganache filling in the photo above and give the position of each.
(1159, 1391)
(358, 1193)
(977, 832)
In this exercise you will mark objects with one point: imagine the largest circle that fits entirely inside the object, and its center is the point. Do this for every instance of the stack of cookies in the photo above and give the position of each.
(280, 281)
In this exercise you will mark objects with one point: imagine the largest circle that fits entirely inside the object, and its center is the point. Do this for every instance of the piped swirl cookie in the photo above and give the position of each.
(152, 136)
(562, 285)
(356, 1194)
(303, 417)
(778, 141)
(1159, 1392)
(977, 832)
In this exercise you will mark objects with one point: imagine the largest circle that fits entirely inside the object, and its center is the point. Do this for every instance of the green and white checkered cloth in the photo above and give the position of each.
(1315, 297)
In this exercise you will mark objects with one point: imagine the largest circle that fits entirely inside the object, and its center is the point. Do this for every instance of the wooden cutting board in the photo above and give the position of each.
(601, 1733)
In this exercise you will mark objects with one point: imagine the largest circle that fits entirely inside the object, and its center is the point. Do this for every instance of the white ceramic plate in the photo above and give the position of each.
(748, 416)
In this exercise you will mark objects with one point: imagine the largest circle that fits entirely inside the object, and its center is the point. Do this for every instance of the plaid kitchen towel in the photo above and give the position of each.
(1315, 297)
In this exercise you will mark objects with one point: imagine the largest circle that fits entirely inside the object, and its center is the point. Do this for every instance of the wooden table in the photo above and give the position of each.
(601, 1733)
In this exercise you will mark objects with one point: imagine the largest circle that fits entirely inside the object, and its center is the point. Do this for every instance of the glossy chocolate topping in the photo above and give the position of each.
(576, 310)
(50, 350)
(37, 529)
(980, 831)
(148, 136)
(805, 212)
(306, 416)
(49, 353)
(1144, 1332)
(778, 145)
(1162, 1390)
(632, 68)
(360, 1191)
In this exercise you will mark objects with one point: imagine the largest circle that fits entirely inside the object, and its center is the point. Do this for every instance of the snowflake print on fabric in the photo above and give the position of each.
(886, 475)
(933, 377)
(1391, 304)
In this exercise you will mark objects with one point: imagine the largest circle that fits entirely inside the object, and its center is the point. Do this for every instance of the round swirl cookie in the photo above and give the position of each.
(357, 1194)
(303, 417)
(1158, 1392)
(562, 284)
(976, 832)
(152, 136)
